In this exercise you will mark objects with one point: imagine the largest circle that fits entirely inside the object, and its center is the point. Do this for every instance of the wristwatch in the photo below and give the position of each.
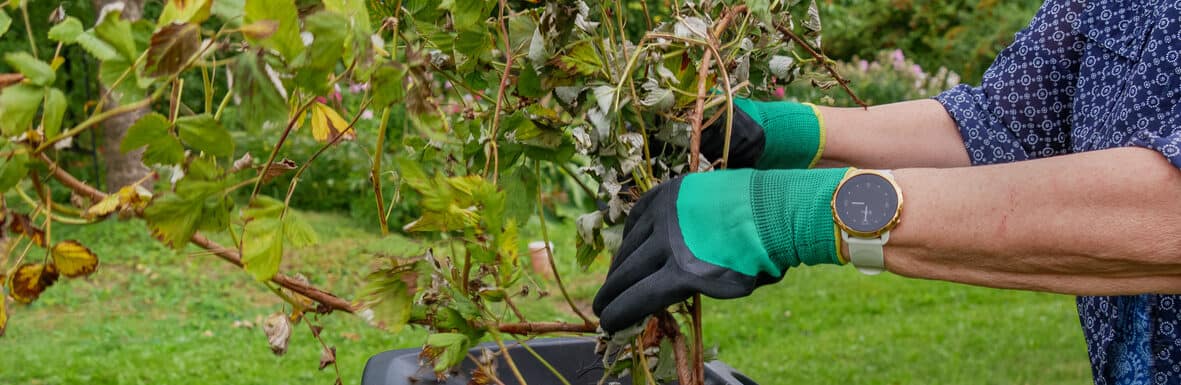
(866, 206)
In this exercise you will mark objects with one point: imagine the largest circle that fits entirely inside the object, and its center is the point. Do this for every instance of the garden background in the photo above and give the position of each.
(153, 315)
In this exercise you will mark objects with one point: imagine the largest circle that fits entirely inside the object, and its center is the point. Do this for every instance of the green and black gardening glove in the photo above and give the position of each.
(720, 233)
(768, 135)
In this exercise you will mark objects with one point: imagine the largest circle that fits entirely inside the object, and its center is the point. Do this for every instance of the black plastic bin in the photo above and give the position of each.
(575, 358)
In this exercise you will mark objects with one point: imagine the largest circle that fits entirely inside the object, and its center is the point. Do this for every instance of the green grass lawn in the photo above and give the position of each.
(154, 316)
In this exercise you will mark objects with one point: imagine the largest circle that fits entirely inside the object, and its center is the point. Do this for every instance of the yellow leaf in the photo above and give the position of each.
(29, 280)
(3, 315)
(127, 198)
(73, 260)
(102, 208)
(327, 123)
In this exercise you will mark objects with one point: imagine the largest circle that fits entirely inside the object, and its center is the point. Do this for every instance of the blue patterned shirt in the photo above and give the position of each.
(1083, 76)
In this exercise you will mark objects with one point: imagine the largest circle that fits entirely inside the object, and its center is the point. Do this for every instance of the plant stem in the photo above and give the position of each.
(550, 253)
(824, 61)
(375, 172)
(336, 139)
(99, 118)
(507, 357)
(29, 28)
(544, 362)
(508, 67)
(266, 167)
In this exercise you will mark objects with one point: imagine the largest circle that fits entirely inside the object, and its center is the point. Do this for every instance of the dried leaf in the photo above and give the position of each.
(29, 281)
(73, 260)
(171, 48)
(22, 225)
(278, 330)
(691, 28)
(261, 29)
(327, 356)
(327, 124)
(781, 66)
(277, 168)
(245, 162)
(660, 99)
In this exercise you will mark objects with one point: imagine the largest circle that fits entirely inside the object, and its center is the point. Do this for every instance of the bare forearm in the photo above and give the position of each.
(1098, 223)
(917, 133)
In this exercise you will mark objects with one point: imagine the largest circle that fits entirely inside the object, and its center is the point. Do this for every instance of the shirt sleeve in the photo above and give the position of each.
(1022, 109)
(1165, 140)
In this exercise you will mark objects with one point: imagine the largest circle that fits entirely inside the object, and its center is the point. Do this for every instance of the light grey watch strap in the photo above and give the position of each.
(866, 253)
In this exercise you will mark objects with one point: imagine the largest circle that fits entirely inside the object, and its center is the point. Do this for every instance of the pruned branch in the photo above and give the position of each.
(824, 61)
(328, 301)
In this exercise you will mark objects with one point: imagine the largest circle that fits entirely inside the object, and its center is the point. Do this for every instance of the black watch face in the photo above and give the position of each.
(866, 203)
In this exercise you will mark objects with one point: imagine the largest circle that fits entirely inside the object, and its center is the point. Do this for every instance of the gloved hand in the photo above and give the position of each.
(768, 135)
(720, 233)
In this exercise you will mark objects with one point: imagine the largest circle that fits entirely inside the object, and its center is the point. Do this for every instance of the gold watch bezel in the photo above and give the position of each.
(889, 225)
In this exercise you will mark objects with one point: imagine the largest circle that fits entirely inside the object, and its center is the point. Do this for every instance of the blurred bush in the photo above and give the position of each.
(889, 77)
(962, 35)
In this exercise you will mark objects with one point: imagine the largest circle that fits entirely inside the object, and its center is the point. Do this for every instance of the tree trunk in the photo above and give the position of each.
(121, 169)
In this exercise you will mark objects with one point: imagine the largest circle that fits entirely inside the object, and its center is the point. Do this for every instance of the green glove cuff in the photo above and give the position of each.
(794, 133)
(793, 214)
(755, 222)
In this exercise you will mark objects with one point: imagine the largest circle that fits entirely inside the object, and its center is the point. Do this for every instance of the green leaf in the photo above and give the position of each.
(171, 48)
(152, 130)
(184, 11)
(66, 31)
(173, 219)
(35, 71)
(388, 295)
(129, 89)
(5, 22)
(261, 102)
(449, 349)
(761, 9)
(229, 11)
(204, 133)
(520, 190)
(466, 15)
(12, 170)
(117, 32)
(97, 47)
(526, 132)
(581, 59)
(262, 247)
(471, 48)
(53, 112)
(18, 106)
(286, 39)
(355, 10)
(329, 34)
(387, 86)
(528, 83)
(265, 233)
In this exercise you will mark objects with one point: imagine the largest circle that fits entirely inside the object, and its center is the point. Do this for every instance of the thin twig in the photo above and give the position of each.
(375, 172)
(824, 61)
(329, 301)
(508, 67)
(544, 362)
(336, 139)
(316, 333)
(698, 111)
(266, 167)
(99, 118)
(508, 357)
(550, 254)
